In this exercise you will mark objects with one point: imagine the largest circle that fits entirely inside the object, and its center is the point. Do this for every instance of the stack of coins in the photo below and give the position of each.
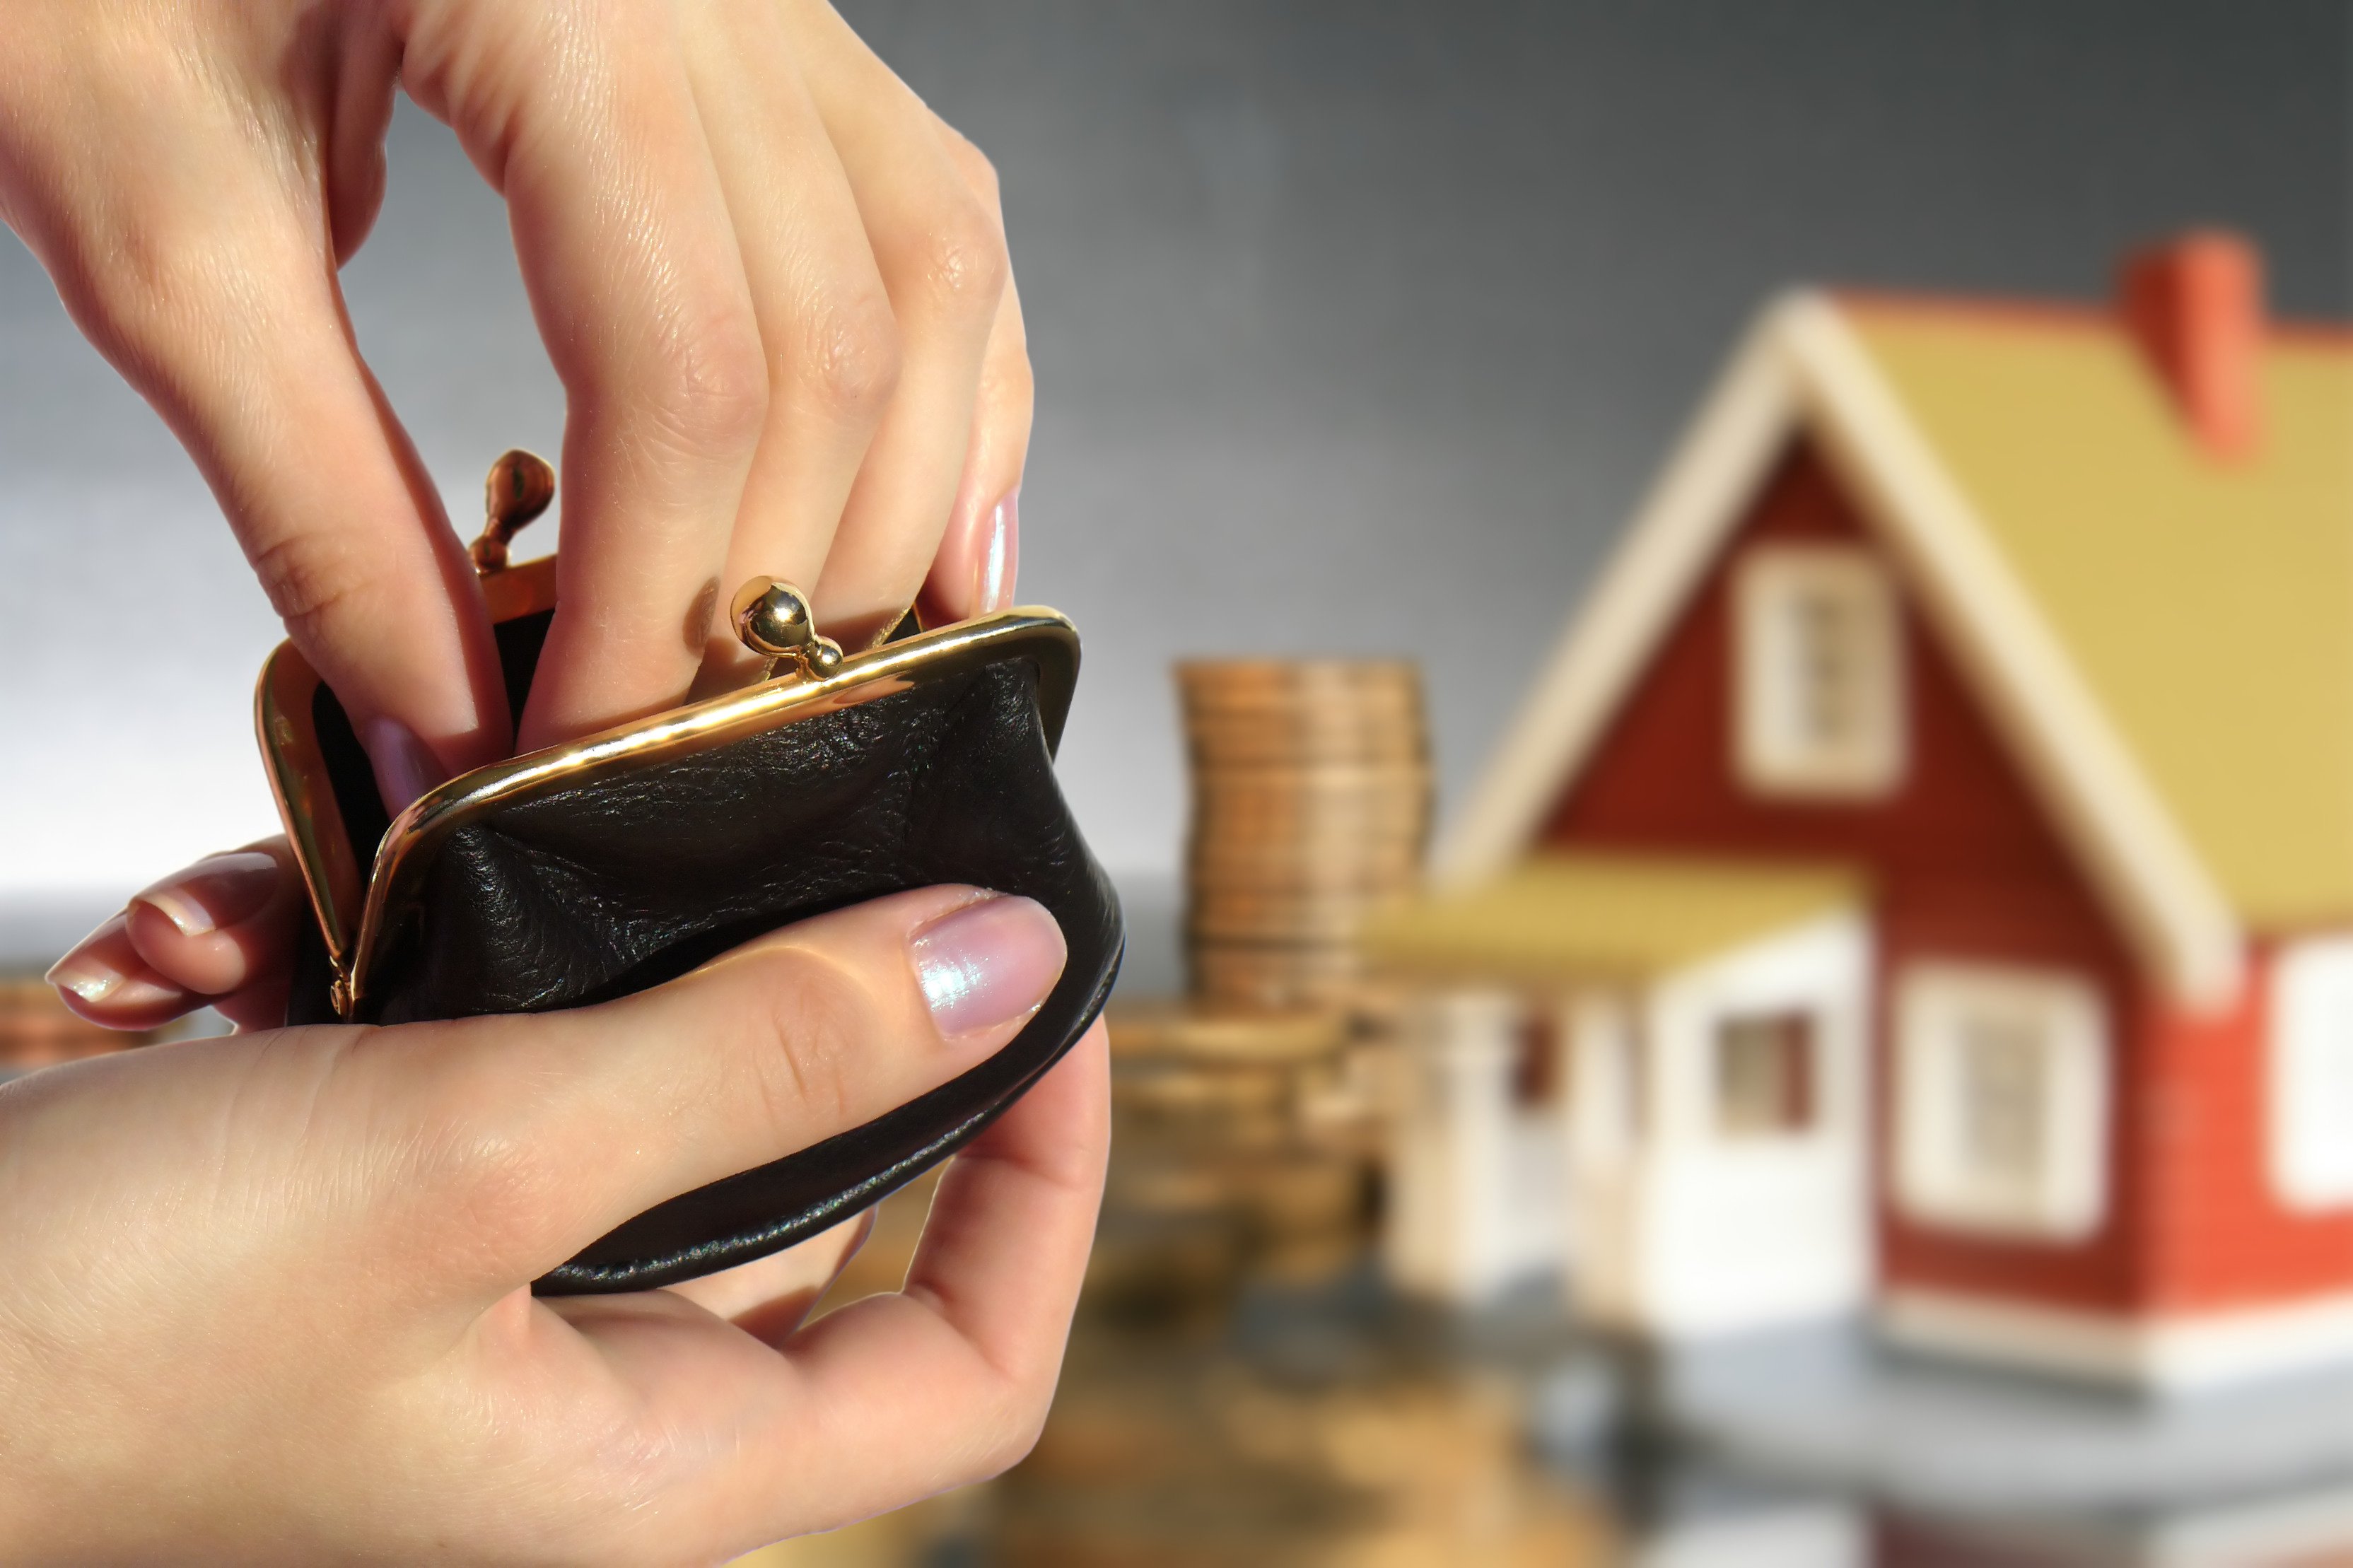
(1214, 1176)
(1310, 808)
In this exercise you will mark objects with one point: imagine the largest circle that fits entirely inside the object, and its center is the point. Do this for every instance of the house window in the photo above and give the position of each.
(1536, 1075)
(1818, 677)
(2001, 1100)
(1764, 1074)
(2312, 1074)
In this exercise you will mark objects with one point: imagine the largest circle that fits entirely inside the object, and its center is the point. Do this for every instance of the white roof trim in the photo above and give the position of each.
(1803, 366)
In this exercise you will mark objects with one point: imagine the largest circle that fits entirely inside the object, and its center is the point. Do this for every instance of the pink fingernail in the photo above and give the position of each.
(1000, 556)
(99, 983)
(86, 977)
(404, 766)
(987, 964)
(218, 892)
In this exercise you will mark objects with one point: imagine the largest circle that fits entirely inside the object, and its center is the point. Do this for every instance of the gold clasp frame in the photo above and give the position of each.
(362, 894)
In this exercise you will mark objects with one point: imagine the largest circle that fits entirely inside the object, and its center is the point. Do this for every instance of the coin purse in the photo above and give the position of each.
(595, 869)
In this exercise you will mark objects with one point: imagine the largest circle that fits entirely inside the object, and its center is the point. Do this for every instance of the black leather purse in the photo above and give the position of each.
(592, 870)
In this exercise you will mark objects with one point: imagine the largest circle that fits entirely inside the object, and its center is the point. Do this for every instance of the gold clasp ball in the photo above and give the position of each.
(774, 619)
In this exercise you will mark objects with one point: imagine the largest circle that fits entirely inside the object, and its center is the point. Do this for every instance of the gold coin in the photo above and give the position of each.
(1274, 975)
(1191, 1033)
(1225, 1090)
(1324, 711)
(1288, 870)
(1213, 918)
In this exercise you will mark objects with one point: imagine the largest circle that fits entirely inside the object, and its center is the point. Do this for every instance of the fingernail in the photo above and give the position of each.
(91, 979)
(1000, 556)
(215, 893)
(987, 964)
(404, 766)
(96, 983)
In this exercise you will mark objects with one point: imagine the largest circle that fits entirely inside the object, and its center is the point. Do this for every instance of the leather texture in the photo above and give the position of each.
(605, 887)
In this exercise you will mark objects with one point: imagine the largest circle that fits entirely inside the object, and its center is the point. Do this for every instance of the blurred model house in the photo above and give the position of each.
(1921, 883)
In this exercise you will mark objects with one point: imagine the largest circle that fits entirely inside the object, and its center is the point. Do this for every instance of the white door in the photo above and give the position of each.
(1718, 1159)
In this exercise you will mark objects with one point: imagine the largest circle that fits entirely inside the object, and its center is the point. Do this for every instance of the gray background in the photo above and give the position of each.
(1357, 328)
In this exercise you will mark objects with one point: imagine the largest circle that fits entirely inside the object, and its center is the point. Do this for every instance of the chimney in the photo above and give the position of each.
(2195, 305)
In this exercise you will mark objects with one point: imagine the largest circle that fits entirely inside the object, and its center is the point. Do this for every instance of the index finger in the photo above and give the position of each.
(638, 284)
(221, 305)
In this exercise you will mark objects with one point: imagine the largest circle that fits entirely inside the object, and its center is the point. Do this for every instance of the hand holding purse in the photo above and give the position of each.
(597, 868)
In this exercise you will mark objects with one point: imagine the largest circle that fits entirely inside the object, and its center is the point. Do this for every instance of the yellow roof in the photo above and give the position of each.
(2208, 605)
(1555, 917)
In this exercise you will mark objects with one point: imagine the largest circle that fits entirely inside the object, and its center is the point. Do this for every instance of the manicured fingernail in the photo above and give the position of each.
(987, 964)
(1000, 555)
(404, 766)
(98, 983)
(88, 978)
(215, 893)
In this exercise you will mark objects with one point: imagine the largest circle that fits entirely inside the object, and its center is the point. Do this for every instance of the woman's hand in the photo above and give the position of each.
(267, 1295)
(774, 284)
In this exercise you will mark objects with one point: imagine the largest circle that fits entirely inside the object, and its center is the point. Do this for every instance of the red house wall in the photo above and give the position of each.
(2215, 1235)
(1966, 865)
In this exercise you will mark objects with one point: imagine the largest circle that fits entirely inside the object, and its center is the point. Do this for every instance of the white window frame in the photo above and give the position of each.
(2067, 1198)
(2310, 1130)
(1772, 753)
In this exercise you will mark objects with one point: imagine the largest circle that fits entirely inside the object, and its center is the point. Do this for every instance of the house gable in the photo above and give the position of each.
(2040, 820)
(1962, 856)
(1662, 775)
(1805, 369)
(1965, 865)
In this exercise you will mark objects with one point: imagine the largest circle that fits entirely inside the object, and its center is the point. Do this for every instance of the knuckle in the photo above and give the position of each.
(978, 171)
(851, 362)
(1009, 385)
(709, 389)
(964, 265)
(814, 1016)
(310, 577)
(490, 1184)
(148, 286)
(1013, 1431)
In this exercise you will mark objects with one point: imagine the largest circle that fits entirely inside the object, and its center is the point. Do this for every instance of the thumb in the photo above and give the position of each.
(241, 342)
(553, 1128)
